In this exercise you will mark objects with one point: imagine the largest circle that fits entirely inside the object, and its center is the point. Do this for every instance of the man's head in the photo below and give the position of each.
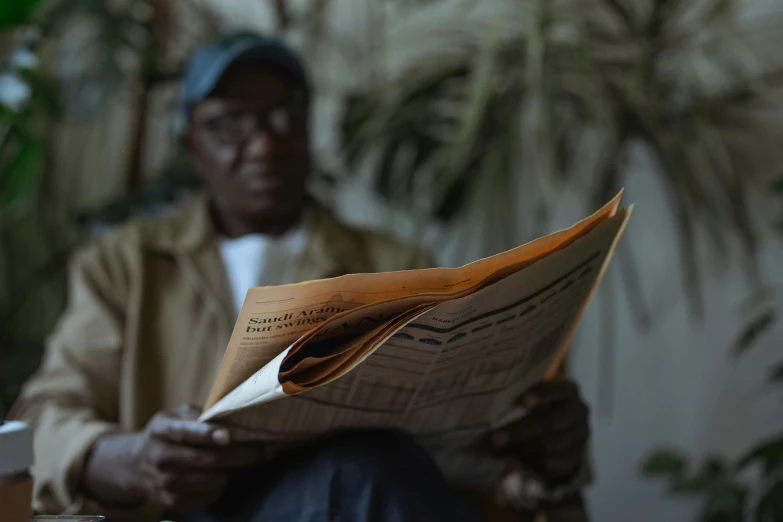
(246, 104)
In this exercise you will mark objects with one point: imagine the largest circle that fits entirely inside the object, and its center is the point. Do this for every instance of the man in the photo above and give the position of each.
(151, 308)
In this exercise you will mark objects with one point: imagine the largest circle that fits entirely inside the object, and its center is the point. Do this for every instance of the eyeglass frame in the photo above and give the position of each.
(259, 120)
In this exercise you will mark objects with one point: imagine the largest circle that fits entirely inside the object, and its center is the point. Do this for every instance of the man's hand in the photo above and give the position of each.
(551, 438)
(176, 462)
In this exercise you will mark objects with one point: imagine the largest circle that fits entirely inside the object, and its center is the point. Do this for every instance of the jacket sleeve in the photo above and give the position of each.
(73, 398)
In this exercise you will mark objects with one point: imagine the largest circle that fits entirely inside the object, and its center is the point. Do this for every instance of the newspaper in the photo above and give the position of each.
(441, 353)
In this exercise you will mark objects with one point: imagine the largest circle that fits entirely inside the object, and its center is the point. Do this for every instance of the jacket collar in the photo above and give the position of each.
(184, 230)
(333, 248)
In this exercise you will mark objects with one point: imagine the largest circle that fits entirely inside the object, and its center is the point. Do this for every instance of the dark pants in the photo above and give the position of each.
(363, 476)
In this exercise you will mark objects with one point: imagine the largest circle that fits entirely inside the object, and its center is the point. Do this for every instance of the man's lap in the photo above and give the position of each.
(352, 476)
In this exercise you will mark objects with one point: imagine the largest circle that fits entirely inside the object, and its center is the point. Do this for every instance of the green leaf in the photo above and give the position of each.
(769, 454)
(20, 175)
(45, 95)
(11, 128)
(726, 504)
(754, 330)
(14, 13)
(711, 475)
(691, 485)
(770, 506)
(714, 468)
(665, 463)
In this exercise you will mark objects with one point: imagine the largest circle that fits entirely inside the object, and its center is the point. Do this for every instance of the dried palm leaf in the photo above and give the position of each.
(697, 82)
(102, 44)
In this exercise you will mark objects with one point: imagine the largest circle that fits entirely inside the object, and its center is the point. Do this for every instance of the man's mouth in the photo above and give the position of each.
(261, 180)
(262, 184)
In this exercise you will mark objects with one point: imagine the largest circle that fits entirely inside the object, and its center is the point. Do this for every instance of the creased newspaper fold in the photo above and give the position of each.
(442, 353)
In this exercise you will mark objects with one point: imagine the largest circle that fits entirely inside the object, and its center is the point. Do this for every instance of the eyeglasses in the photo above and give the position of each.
(236, 127)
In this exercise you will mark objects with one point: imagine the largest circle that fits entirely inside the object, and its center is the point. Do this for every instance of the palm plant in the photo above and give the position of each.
(561, 91)
(28, 107)
(725, 491)
(749, 488)
(100, 51)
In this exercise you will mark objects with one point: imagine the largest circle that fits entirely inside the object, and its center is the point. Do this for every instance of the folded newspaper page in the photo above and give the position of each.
(441, 353)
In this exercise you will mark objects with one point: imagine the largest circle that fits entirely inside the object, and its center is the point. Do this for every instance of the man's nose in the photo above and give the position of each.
(259, 145)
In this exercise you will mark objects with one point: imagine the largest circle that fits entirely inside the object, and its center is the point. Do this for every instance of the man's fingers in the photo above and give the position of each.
(568, 442)
(563, 465)
(200, 495)
(565, 418)
(186, 431)
(175, 457)
(542, 425)
(566, 446)
(241, 456)
(186, 412)
(556, 420)
(201, 482)
(547, 393)
(514, 434)
(179, 457)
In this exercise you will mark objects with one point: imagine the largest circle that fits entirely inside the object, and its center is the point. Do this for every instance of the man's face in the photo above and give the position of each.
(249, 141)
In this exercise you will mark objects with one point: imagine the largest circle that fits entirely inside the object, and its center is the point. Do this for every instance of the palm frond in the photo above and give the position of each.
(698, 82)
(101, 46)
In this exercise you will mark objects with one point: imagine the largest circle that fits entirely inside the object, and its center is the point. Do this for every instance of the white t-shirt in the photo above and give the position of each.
(263, 260)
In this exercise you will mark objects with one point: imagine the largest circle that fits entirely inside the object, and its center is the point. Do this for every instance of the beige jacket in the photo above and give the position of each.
(149, 314)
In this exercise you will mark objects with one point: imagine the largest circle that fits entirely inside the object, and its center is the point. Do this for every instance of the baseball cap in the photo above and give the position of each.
(208, 63)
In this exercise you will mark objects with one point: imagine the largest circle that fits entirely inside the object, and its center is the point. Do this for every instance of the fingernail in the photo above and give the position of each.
(221, 437)
(500, 439)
